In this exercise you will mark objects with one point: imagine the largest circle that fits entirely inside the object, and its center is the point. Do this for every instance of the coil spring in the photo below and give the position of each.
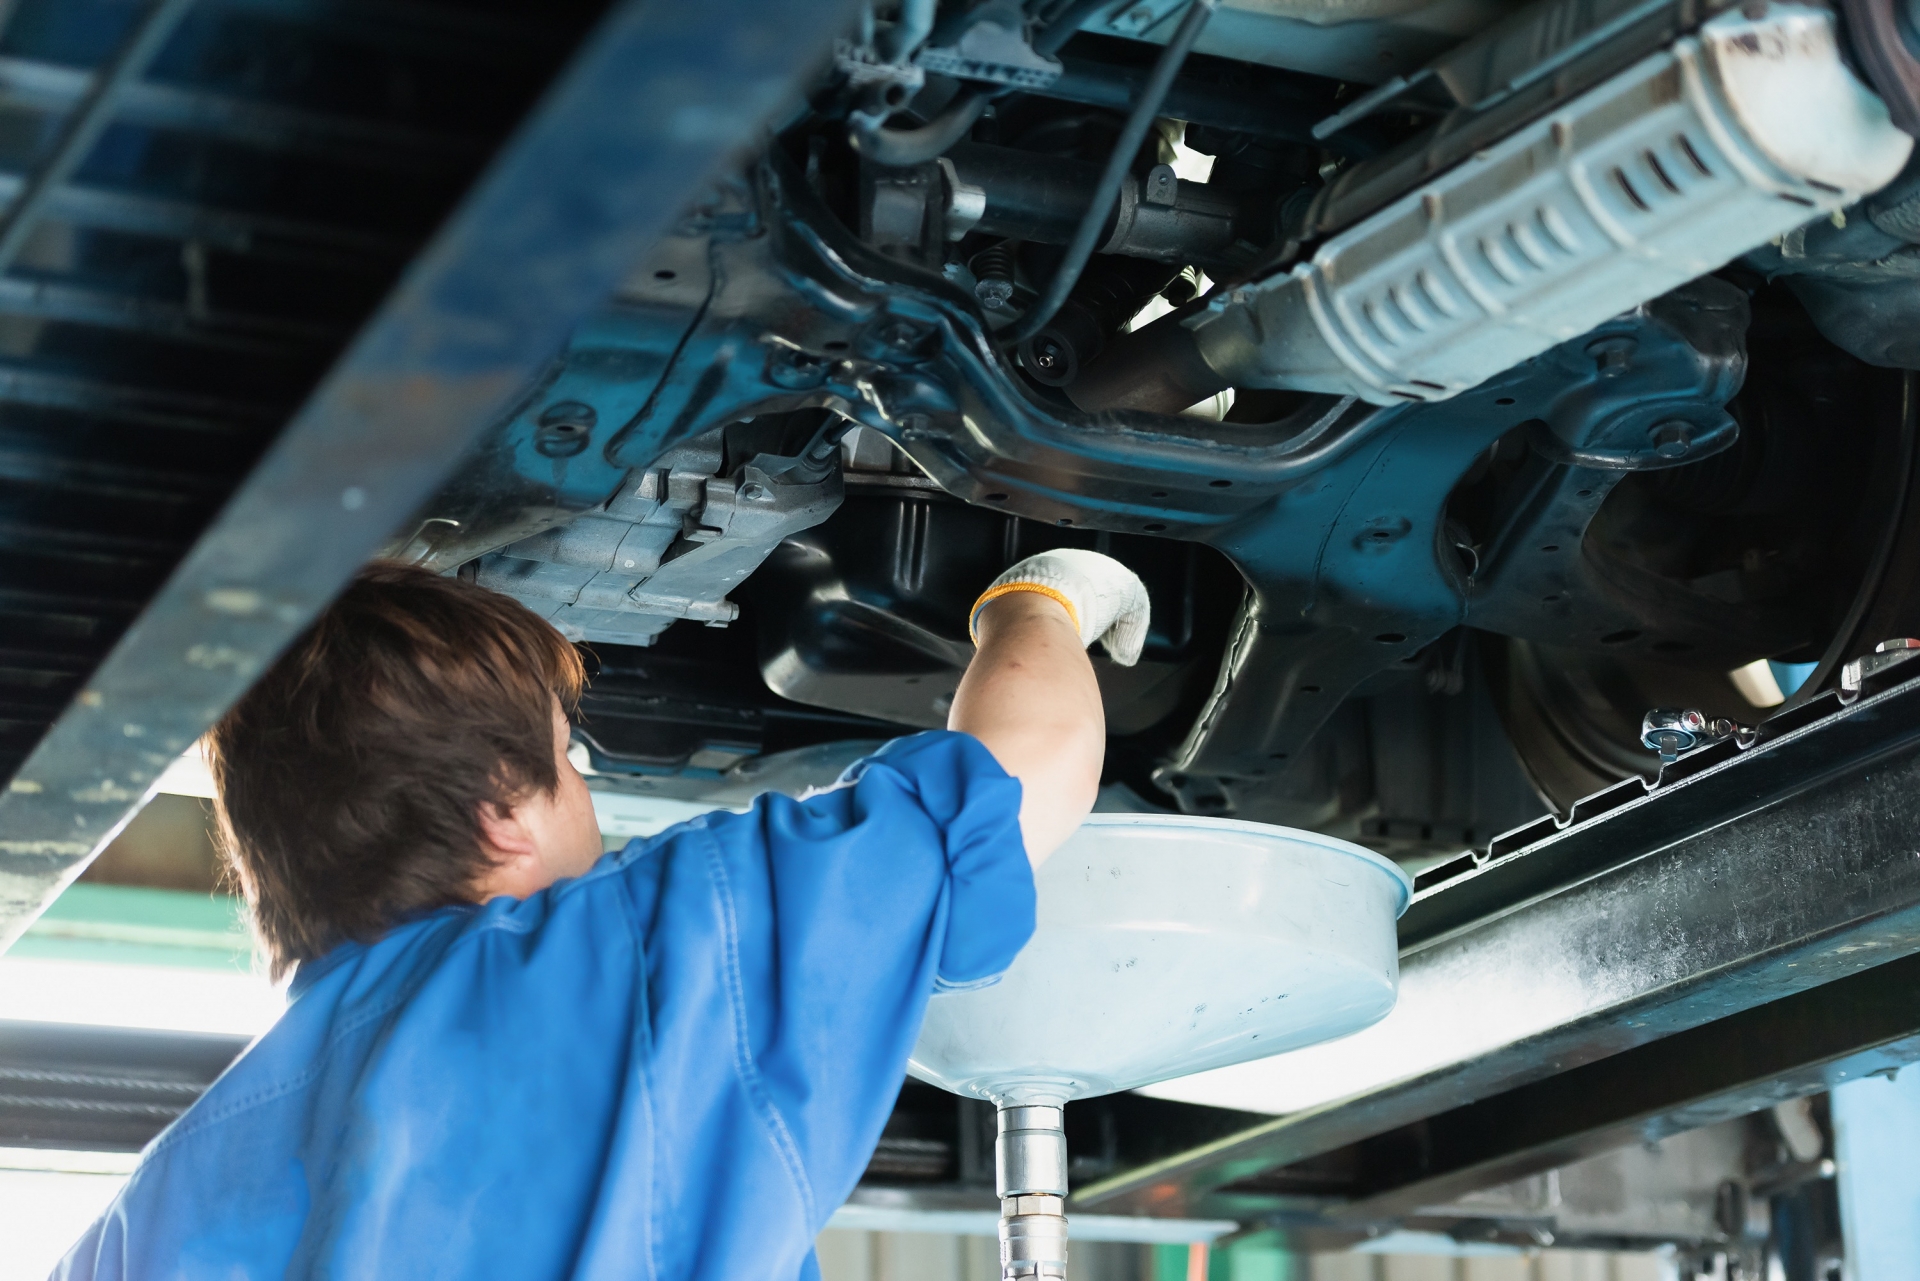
(993, 274)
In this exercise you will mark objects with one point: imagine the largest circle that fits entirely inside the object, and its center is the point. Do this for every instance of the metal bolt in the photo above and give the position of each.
(753, 491)
(1612, 354)
(1673, 730)
(1672, 439)
(563, 429)
(994, 292)
(901, 335)
(794, 369)
(1162, 186)
(1888, 653)
(1048, 354)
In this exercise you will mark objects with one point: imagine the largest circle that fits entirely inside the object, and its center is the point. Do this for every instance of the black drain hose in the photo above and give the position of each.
(1094, 220)
(902, 148)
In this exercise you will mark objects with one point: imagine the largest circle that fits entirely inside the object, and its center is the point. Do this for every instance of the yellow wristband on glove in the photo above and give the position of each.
(1004, 589)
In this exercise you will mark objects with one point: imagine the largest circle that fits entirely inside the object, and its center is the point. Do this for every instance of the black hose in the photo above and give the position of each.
(901, 148)
(1063, 25)
(1094, 220)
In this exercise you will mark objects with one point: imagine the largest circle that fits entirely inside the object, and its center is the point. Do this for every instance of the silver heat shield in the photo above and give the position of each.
(1671, 169)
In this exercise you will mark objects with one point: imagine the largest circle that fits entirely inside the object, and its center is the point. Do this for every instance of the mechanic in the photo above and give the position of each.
(507, 1055)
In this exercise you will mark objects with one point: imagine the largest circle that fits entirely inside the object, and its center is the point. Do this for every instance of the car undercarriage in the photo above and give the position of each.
(1482, 391)
(1410, 610)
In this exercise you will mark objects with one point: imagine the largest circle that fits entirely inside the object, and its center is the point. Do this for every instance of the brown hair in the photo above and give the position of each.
(351, 777)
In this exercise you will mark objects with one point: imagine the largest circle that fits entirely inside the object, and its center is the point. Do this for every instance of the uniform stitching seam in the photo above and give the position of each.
(291, 1085)
(744, 1065)
(644, 1029)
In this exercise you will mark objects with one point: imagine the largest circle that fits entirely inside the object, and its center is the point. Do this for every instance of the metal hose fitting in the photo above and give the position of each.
(1030, 1177)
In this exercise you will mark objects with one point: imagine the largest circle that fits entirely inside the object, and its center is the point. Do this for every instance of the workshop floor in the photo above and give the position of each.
(917, 1256)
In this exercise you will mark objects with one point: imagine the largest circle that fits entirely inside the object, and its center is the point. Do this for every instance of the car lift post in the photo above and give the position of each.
(1876, 1138)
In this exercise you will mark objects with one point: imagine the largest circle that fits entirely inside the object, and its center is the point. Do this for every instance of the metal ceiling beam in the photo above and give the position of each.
(161, 318)
(473, 33)
(134, 404)
(231, 230)
(28, 84)
(651, 108)
(89, 119)
(101, 1089)
(1739, 883)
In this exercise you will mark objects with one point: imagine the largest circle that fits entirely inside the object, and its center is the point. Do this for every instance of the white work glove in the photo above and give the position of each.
(1107, 601)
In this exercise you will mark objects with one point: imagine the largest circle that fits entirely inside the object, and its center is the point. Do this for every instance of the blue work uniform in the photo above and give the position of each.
(674, 1067)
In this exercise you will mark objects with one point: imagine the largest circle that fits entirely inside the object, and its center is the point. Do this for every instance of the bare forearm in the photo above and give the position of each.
(1030, 696)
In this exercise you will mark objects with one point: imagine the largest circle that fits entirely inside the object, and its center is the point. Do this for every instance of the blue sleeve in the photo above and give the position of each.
(852, 905)
(676, 1066)
(952, 782)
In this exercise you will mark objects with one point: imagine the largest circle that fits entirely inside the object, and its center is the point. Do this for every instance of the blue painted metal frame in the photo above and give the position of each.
(656, 103)
(699, 344)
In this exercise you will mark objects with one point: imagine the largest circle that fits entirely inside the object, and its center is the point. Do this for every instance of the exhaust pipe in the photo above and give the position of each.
(1671, 169)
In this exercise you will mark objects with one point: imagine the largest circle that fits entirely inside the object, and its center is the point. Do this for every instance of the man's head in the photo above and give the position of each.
(407, 753)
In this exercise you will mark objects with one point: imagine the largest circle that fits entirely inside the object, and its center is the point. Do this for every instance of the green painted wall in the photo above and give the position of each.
(136, 926)
(1251, 1258)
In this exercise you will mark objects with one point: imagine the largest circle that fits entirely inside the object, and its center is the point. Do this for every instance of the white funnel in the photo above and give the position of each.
(1169, 945)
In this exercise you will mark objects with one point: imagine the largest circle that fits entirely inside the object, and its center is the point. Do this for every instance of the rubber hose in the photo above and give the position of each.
(900, 148)
(1070, 20)
(1087, 237)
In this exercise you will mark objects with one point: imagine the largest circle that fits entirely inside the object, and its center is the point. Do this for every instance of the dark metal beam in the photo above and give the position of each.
(133, 313)
(1691, 795)
(231, 230)
(32, 85)
(654, 105)
(177, 410)
(101, 1089)
(88, 120)
(1803, 1044)
(1209, 91)
(473, 33)
(1691, 921)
